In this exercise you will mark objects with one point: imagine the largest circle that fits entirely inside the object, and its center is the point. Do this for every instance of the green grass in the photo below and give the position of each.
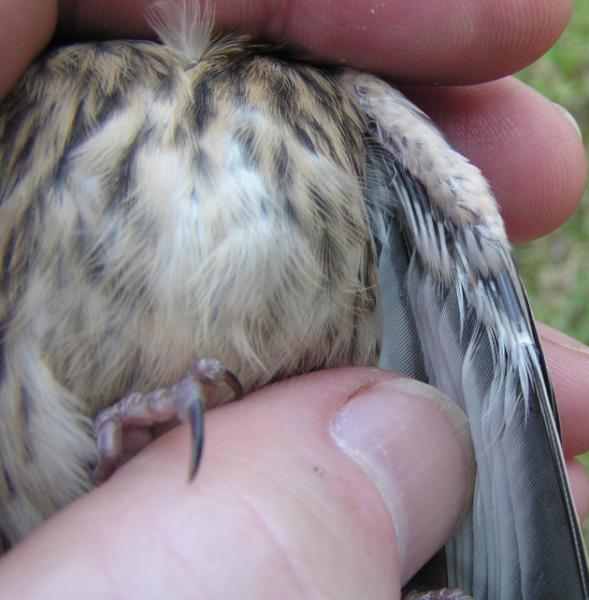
(555, 269)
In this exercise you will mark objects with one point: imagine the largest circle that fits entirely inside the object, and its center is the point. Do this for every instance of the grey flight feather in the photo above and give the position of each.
(456, 286)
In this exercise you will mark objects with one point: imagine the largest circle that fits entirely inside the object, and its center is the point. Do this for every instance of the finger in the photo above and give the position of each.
(299, 488)
(530, 152)
(455, 41)
(25, 28)
(503, 127)
(568, 361)
(579, 481)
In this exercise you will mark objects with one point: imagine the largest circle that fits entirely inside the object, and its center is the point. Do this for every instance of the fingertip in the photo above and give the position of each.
(579, 481)
(568, 362)
(549, 170)
(25, 29)
(125, 19)
(411, 40)
(414, 444)
(408, 40)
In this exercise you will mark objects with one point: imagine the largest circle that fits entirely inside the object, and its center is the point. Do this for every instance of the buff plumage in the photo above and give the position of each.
(210, 197)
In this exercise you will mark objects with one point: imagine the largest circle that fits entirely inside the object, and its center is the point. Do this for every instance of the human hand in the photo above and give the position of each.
(504, 154)
(278, 507)
(522, 142)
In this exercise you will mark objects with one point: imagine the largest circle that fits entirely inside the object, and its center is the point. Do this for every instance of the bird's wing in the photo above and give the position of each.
(449, 282)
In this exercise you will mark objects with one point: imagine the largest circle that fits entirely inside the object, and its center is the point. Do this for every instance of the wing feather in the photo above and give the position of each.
(459, 293)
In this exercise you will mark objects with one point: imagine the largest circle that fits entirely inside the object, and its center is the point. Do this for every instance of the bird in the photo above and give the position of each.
(186, 220)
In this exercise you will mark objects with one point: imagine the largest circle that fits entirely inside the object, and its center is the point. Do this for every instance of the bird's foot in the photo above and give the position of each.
(184, 401)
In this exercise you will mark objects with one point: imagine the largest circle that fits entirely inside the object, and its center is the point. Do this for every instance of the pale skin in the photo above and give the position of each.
(271, 473)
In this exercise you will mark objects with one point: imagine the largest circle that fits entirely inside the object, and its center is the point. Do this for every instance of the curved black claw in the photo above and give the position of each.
(233, 382)
(207, 371)
(196, 420)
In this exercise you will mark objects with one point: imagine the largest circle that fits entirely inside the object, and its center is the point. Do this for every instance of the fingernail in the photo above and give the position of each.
(557, 337)
(414, 444)
(569, 117)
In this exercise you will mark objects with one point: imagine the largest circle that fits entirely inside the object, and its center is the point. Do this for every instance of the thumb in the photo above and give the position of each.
(339, 484)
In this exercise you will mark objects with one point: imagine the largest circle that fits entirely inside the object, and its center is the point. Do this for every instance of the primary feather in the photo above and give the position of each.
(477, 342)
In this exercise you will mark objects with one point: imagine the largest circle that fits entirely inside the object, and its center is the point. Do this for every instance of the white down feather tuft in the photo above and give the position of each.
(185, 25)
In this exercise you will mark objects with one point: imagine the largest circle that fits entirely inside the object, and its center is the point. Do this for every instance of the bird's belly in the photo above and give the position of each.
(160, 238)
(195, 220)
(116, 310)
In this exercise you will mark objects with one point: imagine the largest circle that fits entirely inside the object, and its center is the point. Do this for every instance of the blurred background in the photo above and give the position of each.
(555, 268)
